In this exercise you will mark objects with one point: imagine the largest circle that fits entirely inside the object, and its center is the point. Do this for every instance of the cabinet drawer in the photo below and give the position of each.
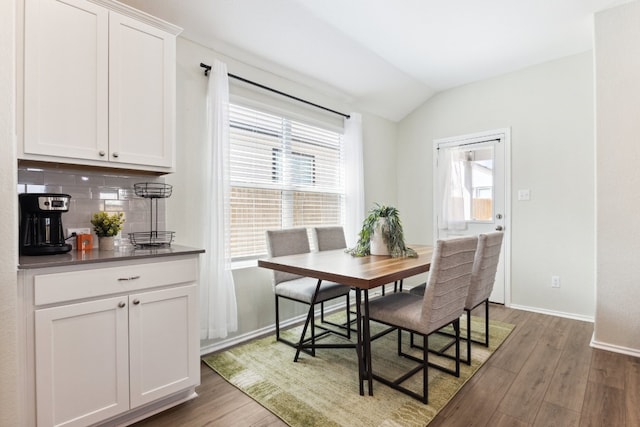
(74, 285)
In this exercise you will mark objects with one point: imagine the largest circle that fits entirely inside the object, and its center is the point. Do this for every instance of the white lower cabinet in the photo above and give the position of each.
(107, 355)
(82, 362)
(160, 360)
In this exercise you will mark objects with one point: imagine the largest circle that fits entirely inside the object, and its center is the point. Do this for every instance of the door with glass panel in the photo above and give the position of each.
(471, 197)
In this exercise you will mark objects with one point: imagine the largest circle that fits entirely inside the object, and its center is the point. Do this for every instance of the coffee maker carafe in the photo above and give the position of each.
(41, 231)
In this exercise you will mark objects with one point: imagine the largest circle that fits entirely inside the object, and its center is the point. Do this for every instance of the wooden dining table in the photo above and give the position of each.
(360, 273)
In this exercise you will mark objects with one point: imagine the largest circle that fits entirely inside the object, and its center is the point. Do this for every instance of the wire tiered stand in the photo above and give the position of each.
(153, 237)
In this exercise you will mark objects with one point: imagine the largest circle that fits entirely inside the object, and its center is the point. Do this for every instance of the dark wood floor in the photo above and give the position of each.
(545, 374)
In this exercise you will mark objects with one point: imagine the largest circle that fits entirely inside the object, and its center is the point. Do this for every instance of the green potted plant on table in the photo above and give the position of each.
(106, 226)
(382, 234)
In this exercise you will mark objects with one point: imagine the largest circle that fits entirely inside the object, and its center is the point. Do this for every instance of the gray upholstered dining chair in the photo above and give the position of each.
(327, 239)
(299, 288)
(442, 304)
(330, 238)
(483, 277)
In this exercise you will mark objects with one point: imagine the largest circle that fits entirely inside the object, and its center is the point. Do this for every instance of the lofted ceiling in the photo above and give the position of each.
(388, 57)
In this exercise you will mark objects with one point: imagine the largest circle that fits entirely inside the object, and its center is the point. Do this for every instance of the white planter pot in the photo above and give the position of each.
(106, 243)
(377, 245)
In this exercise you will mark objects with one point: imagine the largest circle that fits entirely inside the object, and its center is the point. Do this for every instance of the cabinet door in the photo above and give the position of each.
(164, 343)
(82, 362)
(141, 93)
(66, 81)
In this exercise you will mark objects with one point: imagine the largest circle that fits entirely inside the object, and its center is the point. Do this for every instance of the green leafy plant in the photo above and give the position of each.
(106, 225)
(391, 230)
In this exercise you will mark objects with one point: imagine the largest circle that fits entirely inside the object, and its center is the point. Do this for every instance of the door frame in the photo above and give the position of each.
(505, 135)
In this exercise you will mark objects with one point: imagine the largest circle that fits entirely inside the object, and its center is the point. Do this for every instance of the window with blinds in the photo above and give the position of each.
(284, 174)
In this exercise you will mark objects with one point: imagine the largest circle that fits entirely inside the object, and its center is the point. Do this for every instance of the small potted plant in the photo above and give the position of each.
(106, 226)
(382, 234)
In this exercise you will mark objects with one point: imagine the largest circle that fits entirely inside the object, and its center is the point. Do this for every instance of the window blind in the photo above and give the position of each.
(284, 173)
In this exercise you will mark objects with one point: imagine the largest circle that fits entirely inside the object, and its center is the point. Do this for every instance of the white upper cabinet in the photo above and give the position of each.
(99, 85)
(66, 79)
(141, 92)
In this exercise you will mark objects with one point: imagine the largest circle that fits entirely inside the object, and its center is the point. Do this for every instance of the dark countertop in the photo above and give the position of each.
(97, 256)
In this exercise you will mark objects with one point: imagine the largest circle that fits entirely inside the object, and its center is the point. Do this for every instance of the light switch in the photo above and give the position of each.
(524, 194)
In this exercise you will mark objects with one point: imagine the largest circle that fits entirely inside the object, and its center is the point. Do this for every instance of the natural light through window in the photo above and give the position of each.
(284, 173)
(479, 168)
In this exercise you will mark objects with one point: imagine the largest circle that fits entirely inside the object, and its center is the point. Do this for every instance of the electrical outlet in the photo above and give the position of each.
(85, 230)
(555, 281)
(524, 194)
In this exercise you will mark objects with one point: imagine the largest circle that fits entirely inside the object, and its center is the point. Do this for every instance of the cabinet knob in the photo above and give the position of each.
(115, 155)
(102, 153)
(136, 301)
(121, 304)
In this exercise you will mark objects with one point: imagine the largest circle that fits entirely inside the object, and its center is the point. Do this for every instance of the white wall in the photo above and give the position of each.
(253, 285)
(617, 48)
(549, 109)
(9, 408)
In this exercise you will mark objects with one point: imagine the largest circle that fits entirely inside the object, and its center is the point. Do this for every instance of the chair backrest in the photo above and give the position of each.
(286, 242)
(448, 283)
(329, 238)
(485, 266)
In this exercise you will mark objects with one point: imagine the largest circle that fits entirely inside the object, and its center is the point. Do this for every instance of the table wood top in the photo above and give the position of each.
(361, 272)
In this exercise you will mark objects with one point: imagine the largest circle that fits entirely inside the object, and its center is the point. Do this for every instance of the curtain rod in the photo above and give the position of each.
(207, 68)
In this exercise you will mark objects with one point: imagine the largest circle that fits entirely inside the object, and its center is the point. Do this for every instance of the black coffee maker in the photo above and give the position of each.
(41, 231)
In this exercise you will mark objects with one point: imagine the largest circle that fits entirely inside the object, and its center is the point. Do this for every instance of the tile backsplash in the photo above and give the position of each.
(96, 191)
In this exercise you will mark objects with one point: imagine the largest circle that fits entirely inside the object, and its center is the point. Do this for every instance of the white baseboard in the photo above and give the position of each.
(239, 339)
(595, 344)
(553, 313)
(615, 348)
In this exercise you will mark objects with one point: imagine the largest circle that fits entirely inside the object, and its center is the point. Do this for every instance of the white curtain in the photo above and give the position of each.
(453, 188)
(354, 178)
(219, 314)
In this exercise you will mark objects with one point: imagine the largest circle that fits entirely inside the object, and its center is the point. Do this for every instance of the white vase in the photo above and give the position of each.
(106, 243)
(377, 245)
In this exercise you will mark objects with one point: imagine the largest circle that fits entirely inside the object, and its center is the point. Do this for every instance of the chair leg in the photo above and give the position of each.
(486, 331)
(313, 329)
(278, 337)
(412, 341)
(277, 320)
(466, 338)
(348, 318)
(468, 361)
(397, 286)
(486, 322)
(425, 370)
(345, 326)
(456, 327)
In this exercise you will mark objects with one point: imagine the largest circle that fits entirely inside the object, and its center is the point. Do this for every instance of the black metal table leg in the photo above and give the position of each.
(367, 342)
(306, 323)
(359, 349)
